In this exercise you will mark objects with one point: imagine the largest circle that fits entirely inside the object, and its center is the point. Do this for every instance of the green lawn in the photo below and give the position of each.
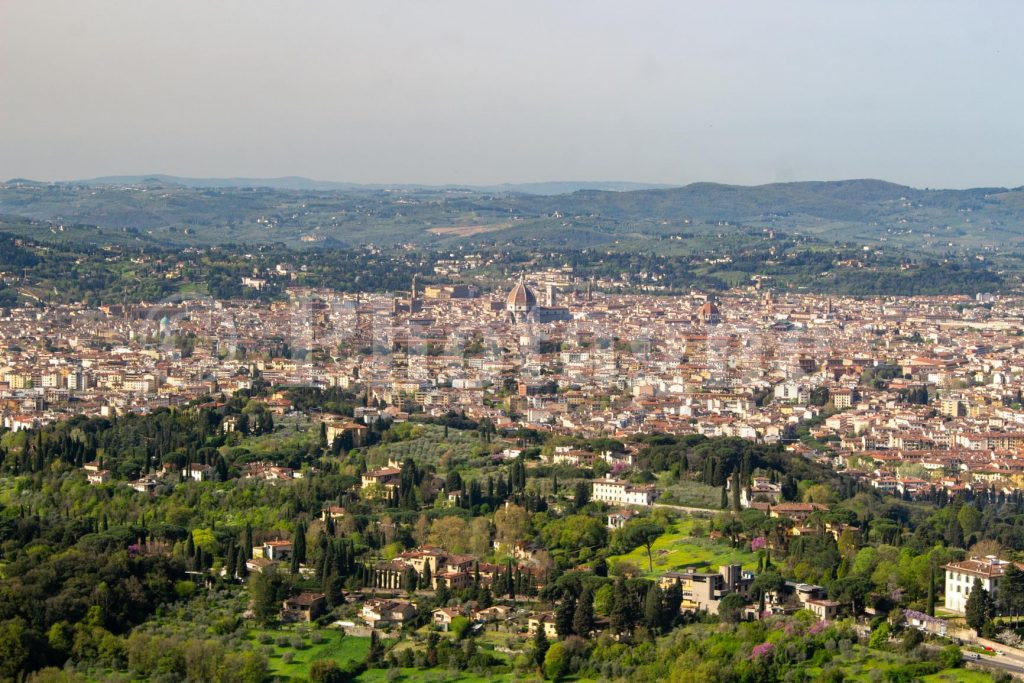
(342, 648)
(865, 665)
(678, 549)
(437, 676)
(336, 645)
(689, 493)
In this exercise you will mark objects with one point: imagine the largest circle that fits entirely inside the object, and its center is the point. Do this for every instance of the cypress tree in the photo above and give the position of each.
(564, 617)
(231, 561)
(410, 580)
(583, 617)
(979, 609)
(376, 652)
(931, 591)
(241, 567)
(299, 544)
(673, 599)
(540, 645)
(653, 608)
(618, 617)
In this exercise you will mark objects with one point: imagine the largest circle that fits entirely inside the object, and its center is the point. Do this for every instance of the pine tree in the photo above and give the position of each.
(190, 545)
(583, 617)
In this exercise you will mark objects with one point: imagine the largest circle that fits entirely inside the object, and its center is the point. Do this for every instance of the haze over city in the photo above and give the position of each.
(921, 93)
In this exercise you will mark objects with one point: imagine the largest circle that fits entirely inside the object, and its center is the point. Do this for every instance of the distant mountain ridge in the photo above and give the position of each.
(302, 183)
(576, 214)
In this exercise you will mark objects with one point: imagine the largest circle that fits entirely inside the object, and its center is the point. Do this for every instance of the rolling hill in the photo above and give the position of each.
(178, 211)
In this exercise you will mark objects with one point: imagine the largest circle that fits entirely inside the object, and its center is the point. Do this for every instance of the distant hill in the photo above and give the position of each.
(301, 183)
(299, 210)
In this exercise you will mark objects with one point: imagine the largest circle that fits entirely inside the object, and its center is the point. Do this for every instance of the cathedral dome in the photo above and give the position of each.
(521, 298)
(709, 313)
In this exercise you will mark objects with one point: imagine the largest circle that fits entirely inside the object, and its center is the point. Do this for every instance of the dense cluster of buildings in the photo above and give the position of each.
(913, 394)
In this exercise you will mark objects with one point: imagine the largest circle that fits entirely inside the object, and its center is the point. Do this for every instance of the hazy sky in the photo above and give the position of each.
(434, 91)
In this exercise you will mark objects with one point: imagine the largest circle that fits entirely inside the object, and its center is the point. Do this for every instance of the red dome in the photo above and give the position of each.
(521, 298)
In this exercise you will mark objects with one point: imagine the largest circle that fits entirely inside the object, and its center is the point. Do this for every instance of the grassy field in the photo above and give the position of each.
(335, 645)
(678, 548)
(291, 433)
(437, 676)
(427, 445)
(866, 665)
(958, 676)
(689, 493)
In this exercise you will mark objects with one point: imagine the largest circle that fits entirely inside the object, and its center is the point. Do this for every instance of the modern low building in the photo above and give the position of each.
(703, 591)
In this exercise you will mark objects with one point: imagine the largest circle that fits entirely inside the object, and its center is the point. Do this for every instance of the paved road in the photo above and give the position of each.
(1001, 662)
